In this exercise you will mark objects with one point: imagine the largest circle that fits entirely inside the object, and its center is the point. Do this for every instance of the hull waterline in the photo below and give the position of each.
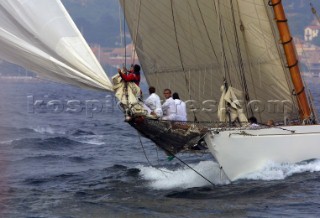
(244, 151)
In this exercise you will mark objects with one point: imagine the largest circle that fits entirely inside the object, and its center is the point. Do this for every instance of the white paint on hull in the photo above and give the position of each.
(243, 151)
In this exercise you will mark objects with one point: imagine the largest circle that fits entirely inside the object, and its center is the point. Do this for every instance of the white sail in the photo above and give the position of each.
(193, 46)
(41, 36)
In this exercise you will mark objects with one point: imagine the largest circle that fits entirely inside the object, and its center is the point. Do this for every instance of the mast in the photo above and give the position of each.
(292, 61)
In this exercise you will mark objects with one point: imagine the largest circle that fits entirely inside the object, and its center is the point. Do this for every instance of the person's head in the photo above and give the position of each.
(175, 95)
(253, 120)
(152, 89)
(270, 123)
(136, 68)
(167, 93)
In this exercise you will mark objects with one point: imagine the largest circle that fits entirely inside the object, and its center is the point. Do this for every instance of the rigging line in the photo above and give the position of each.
(314, 11)
(216, 7)
(125, 57)
(240, 59)
(232, 61)
(145, 154)
(313, 106)
(277, 127)
(136, 34)
(247, 51)
(180, 55)
(207, 32)
(120, 26)
(188, 166)
(257, 12)
(280, 51)
(224, 58)
(144, 151)
(124, 33)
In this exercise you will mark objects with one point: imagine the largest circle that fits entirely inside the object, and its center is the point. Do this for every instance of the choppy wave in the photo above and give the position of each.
(48, 130)
(275, 171)
(183, 178)
(91, 139)
(79, 132)
(7, 141)
(47, 143)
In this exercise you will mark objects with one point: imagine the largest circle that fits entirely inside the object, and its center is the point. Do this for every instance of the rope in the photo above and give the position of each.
(314, 11)
(189, 166)
(145, 154)
(206, 28)
(240, 59)
(169, 152)
(136, 35)
(124, 33)
(180, 54)
(278, 127)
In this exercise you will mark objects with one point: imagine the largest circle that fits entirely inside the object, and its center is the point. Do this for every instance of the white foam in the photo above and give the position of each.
(93, 140)
(48, 130)
(8, 141)
(275, 171)
(183, 177)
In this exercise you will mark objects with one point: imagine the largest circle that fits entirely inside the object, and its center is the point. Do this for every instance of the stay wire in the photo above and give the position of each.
(124, 33)
(314, 11)
(180, 54)
(134, 49)
(189, 166)
(145, 154)
(176, 158)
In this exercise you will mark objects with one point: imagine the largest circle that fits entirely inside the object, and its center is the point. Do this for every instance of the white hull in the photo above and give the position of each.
(243, 151)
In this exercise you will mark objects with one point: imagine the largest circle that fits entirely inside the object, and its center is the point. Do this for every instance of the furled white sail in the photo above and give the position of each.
(192, 47)
(41, 36)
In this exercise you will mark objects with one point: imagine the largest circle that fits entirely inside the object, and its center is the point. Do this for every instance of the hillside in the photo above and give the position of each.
(98, 20)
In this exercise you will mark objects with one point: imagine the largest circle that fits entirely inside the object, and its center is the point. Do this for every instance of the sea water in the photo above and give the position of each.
(66, 152)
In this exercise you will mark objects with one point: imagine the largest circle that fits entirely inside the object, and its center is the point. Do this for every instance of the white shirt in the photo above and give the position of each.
(154, 103)
(181, 110)
(169, 109)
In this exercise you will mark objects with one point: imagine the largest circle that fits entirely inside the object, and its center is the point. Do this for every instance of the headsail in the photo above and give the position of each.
(192, 47)
(41, 36)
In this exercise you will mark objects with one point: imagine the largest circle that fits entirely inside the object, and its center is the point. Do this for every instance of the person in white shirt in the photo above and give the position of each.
(169, 106)
(181, 109)
(153, 103)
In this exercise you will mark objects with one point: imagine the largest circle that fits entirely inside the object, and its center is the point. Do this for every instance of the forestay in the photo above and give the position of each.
(41, 36)
(192, 47)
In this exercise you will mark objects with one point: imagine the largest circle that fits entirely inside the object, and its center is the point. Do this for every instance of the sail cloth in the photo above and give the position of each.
(128, 93)
(40, 36)
(229, 109)
(192, 46)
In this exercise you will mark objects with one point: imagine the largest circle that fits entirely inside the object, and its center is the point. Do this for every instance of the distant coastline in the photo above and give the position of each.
(19, 79)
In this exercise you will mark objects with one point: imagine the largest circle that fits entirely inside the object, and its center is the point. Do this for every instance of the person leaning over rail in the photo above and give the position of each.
(153, 103)
(169, 106)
